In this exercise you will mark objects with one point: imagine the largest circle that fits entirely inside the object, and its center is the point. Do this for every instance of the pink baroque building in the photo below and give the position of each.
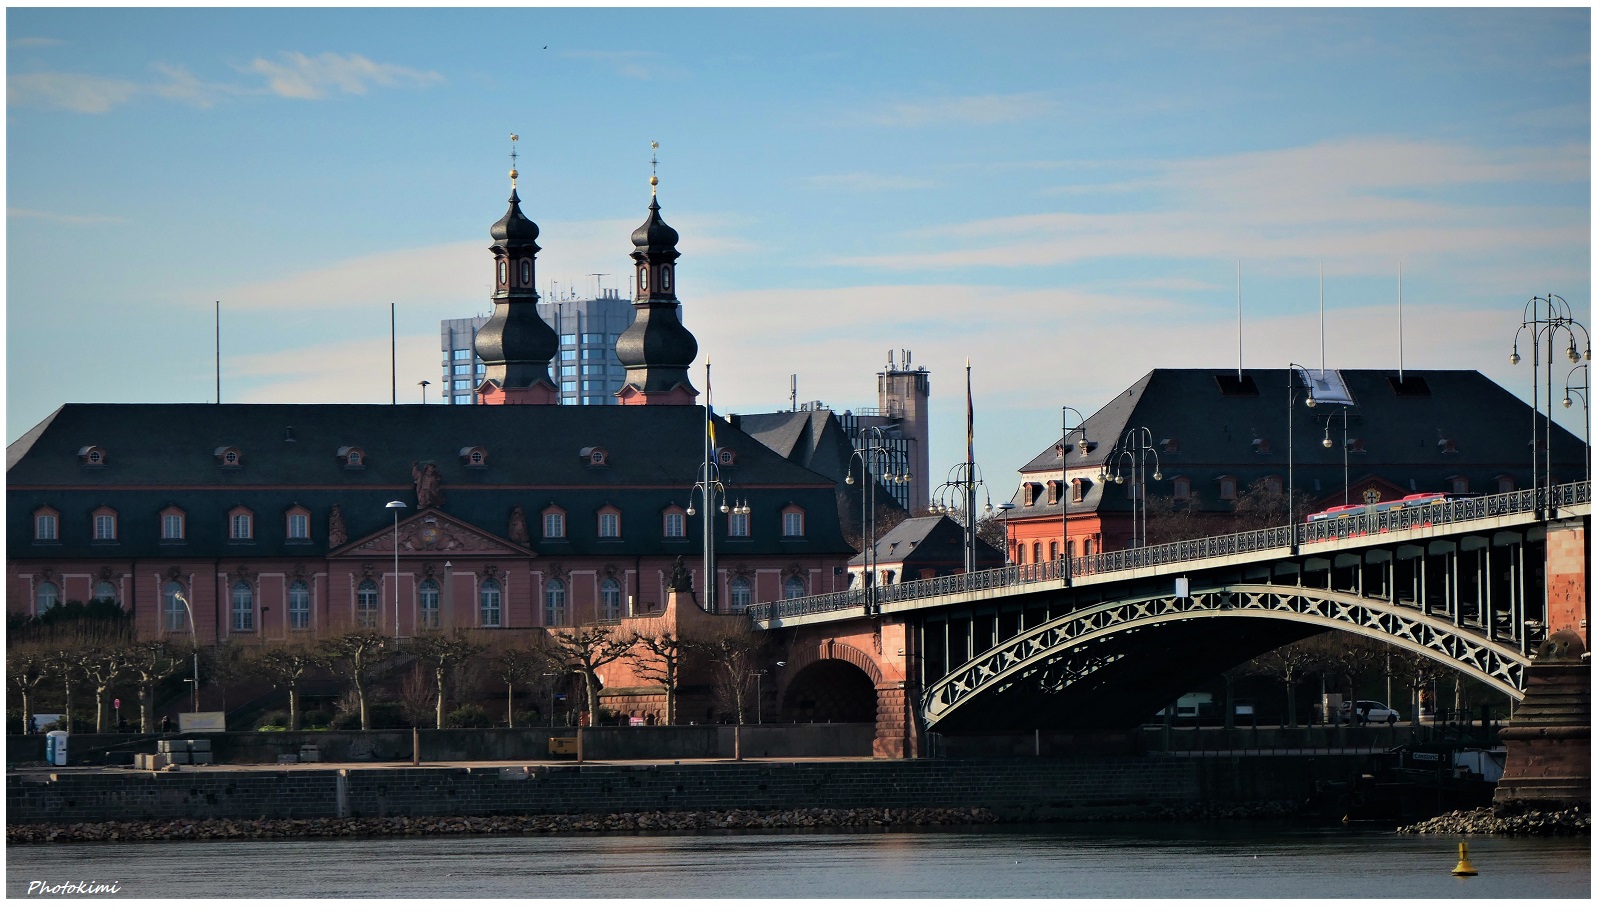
(273, 521)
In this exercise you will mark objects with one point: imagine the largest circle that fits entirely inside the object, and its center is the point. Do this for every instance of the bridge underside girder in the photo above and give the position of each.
(1121, 680)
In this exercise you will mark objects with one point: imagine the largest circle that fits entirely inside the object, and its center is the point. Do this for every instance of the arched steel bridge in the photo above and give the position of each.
(1102, 638)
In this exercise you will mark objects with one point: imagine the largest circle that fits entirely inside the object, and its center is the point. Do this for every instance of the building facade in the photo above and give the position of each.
(1181, 451)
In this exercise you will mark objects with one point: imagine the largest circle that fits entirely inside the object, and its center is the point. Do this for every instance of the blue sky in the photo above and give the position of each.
(1060, 195)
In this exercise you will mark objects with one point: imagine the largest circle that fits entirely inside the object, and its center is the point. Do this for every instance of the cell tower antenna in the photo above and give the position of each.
(1240, 331)
(1399, 375)
(598, 277)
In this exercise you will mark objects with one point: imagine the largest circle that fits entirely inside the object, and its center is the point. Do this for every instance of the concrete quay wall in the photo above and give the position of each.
(1015, 789)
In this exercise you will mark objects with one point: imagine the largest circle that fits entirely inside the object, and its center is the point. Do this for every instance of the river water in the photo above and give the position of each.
(1090, 861)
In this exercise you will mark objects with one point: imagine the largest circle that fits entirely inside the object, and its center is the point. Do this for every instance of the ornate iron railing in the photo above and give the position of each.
(1465, 509)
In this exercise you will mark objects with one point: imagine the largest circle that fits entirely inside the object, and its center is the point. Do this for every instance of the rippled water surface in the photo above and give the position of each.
(1059, 861)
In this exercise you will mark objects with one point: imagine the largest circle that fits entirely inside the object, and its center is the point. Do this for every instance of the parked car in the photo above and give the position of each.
(1368, 711)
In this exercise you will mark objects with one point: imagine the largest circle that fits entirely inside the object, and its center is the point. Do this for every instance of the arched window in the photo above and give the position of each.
(105, 591)
(45, 597)
(489, 603)
(794, 587)
(1022, 550)
(739, 594)
(299, 605)
(1052, 550)
(611, 599)
(367, 604)
(172, 610)
(428, 605)
(243, 602)
(555, 603)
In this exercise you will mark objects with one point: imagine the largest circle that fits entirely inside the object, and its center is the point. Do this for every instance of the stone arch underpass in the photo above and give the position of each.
(1116, 663)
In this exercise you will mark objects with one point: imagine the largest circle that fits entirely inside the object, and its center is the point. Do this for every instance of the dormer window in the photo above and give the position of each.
(1226, 487)
(725, 456)
(172, 525)
(352, 457)
(241, 525)
(1031, 492)
(1273, 485)
(475, 457)
(92, 456)
(673, 525)
(609, 522)
(104, 525)
(46, 525)
(1459, 484)
(229, 457)
(297, 524)
(1170, 444)
(1078, 486)
(795, 522)
(1355, 445)
(1447, 445)
(553, 522)
(1181, 488)
(1261, 446)
(1053, 492)
(594, 456)
(1504, 484)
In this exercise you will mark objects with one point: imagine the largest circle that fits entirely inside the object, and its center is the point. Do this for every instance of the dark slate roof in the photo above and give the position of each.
(816, 440)
(928, 539)
(1401, 433)
(158, 455)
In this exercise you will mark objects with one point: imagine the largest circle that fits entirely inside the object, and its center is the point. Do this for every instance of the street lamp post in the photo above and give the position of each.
(758, 675)
(1136, 444)
(1006, 541)
(1290, 441)
(1346, 452)
(1062, 495)
(194, 639)
(709, 487)
(424, 385)
(872, 452)
(1583, 391)
(396, 506)
(1559, 318)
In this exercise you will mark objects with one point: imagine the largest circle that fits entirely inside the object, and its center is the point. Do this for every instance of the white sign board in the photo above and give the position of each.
(202, 722)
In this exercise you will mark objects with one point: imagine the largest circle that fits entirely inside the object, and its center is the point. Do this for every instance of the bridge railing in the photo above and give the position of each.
(1255, 540)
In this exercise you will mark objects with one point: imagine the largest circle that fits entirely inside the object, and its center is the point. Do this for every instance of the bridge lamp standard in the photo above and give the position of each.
(1558, 318)
(963, 481)
(1085, 447)
(1133, 450)
(1346, 451)
(1569, 392)
(396, 506)
(709, 485)
(1290, 440)
(877, 461)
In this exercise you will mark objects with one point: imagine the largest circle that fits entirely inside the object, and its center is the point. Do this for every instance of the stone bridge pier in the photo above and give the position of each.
(862, 670)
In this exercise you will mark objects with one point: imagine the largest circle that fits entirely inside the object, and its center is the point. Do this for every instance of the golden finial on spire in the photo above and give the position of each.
(654, 147)
(514, 161)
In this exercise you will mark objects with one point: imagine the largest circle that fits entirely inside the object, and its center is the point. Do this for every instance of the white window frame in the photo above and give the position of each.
(739, 525)
(241, 526)
(105, 527)
(300, 606)
(173, 611)
(46, 595)
(554, 524)
(428, 605)
(673, 524)
(172, 527)
(795, 586)
(489, 603)
(367, 604)
(611, 599)
(294, 519)
(795, 524)
(46, 527)
(609, 524)
(242, 607)
(740, 592)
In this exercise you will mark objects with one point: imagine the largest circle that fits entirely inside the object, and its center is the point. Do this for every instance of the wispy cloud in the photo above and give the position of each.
(297, 75)
(1352, 199)
(62, 218)
(80, 92)
(863, 182)
(633, 64)
(971, 110)
(34, 42)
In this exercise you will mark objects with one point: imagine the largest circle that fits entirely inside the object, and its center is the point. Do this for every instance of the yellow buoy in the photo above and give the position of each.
(1463, 869)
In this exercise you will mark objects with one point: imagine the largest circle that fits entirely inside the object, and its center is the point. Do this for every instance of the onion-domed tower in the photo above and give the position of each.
(516, 345)
(656, 350)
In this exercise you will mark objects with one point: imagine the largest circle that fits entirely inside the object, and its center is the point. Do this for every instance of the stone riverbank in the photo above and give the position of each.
(1486, 821)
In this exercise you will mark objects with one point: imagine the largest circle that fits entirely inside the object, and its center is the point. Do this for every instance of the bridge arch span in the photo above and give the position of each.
(1117, 662)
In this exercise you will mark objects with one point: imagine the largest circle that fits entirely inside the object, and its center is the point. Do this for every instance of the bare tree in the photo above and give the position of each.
(441, 654)
(735, 657)
(658, 659)
(285, 666)
(103, 666)
(353, 656)
(417, 697)
(586, 650)
(63, 664)
(27, 666)
(1286, 664)
(515, 665)
(149, 663)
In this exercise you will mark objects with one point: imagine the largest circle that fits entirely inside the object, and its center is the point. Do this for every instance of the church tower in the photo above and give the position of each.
(656, 349)
(516, 345)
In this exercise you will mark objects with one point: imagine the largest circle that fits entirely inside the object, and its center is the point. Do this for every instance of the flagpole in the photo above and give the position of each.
(971, 556)
(707, 561)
